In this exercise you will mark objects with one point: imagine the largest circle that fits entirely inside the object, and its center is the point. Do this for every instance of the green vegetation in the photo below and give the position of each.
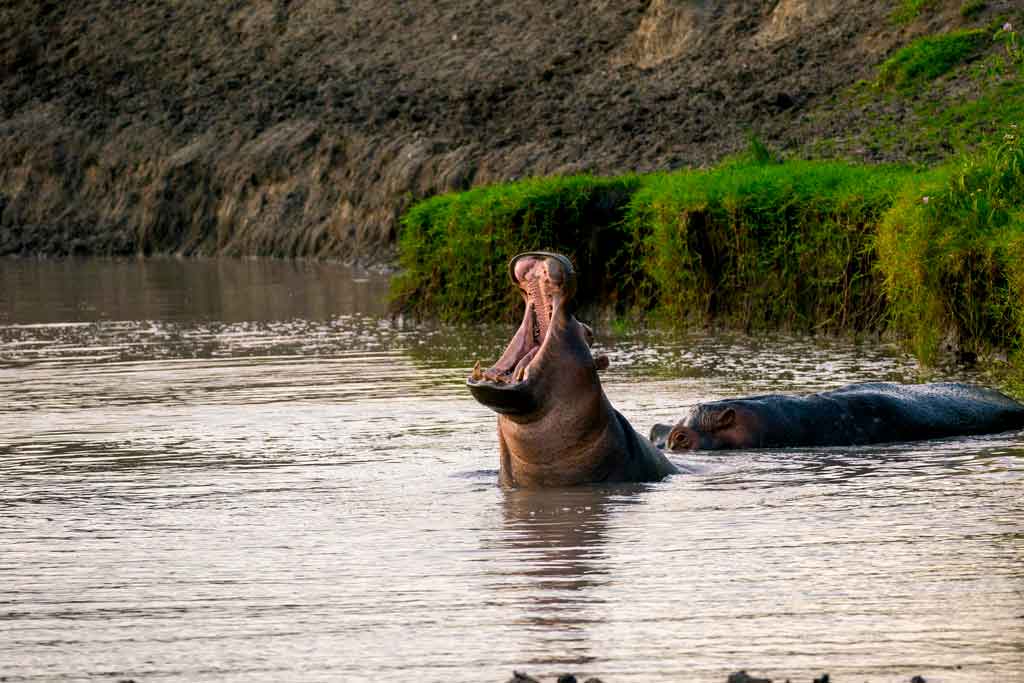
(758, 245)
(952, 253)
(753, 242)
(454, 248)
(929, 57)
(929, 254)
(935, 119)
(967, 124)
(971, 8)
(1013, 46)
(933, 129)
(908, 10)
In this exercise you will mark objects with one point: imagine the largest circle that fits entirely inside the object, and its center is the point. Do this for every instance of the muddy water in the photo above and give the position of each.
(241, 471)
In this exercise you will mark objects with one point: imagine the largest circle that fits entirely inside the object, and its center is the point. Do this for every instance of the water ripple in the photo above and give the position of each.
(314, 497)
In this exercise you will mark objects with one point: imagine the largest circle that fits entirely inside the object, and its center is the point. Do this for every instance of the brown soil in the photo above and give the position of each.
(305, 127)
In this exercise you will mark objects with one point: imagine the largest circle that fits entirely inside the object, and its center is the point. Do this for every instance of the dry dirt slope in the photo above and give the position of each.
(304, 127)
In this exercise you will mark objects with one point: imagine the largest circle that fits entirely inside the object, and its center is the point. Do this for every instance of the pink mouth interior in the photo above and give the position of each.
(540, 280)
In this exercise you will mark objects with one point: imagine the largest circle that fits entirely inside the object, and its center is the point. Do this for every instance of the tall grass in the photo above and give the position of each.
(929, 254)
(952, 253)
(454, 248)
(759, 245)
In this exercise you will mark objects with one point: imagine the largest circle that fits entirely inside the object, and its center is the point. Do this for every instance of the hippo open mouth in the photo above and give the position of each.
(547, 283)
(556, 427)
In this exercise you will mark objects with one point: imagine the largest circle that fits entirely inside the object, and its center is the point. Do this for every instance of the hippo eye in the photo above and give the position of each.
(677, 440)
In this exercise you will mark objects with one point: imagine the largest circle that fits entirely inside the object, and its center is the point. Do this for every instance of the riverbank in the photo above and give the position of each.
(307, 128)
(934, 255)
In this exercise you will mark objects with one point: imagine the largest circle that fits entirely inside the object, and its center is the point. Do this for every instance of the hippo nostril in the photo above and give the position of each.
(522, 268)
(559, 270)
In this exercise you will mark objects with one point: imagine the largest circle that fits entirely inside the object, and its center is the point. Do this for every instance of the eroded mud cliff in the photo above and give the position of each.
(305, 127)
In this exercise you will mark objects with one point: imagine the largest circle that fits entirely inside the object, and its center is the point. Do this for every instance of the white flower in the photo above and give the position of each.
(1007, 27)
(924, 200)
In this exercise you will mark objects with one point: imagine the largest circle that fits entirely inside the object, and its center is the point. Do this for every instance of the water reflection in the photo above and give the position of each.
(228, 471)
(225, 290)
(558, 541)
(897, 464)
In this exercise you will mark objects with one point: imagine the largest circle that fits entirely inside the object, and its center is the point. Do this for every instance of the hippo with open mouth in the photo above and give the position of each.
(556, 427)
(873, 412)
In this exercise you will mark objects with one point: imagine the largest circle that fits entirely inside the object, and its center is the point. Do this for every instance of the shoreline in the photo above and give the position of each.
(933, 256)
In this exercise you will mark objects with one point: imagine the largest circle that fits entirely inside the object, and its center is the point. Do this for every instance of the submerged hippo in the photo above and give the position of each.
(555, 425)
(874, 412)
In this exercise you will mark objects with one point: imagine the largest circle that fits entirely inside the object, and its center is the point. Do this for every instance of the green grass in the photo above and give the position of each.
(951, 250)
(932, 122)
(936, 129)
(966, 125)
(761, 246)
(929, 57)
(908, 10)
(972, 8)
(454, 248)
(753, 244)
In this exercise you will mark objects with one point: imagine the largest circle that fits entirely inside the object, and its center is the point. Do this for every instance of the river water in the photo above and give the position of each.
(245, 471)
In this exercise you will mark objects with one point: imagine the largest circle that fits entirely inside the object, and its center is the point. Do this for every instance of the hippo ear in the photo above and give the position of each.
(725, 419)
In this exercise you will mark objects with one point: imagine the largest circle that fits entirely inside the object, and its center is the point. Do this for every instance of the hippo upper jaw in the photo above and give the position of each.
(547, 352)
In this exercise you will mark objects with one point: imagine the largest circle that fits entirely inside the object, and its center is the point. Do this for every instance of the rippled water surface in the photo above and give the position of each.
(245, 471)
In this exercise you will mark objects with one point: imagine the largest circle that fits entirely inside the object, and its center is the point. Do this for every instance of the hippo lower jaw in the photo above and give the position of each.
(547, 283)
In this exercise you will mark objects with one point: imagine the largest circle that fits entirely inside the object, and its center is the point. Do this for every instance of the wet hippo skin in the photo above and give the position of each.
(556, 427)
(874, 412)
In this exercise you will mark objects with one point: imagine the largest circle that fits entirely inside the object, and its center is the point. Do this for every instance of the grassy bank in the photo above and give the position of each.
(762, 245)
(752, 242)
(454, 248)
(951, 250)
(934, 255)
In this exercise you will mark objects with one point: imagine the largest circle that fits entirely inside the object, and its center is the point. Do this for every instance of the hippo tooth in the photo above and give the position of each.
(520, 374)
(478, 374)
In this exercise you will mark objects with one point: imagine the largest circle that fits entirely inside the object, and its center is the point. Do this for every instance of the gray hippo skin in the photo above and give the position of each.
(874, 412)
(556, 427)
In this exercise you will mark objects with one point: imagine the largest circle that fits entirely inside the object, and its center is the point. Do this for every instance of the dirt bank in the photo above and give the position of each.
(305, 127)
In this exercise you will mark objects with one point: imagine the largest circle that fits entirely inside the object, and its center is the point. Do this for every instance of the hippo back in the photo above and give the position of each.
(873, 412)
(929, 411)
